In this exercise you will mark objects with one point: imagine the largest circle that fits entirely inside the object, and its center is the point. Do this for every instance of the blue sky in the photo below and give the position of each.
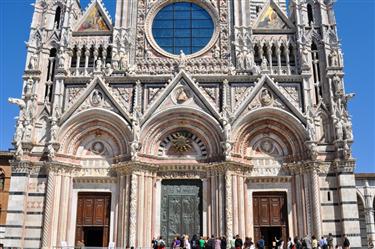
(356, 25)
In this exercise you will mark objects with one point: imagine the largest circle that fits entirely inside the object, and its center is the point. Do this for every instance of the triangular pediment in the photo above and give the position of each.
(182, 92)
(267, 94)
(96, 95)
(95, 20)
(272, 18)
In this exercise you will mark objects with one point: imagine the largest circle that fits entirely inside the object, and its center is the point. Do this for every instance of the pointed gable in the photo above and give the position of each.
(96, 95)
(272, 18)
(267, 94)
(95, 19)
(182, 91)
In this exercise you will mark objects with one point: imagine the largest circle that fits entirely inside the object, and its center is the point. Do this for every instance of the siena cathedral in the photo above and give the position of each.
(207, 117)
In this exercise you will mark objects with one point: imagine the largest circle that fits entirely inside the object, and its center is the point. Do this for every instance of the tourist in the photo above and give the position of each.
(323, 243)
(306, 243)
(297, 243)
(161, 243)
(223, 244)
(346, 243)
(202, 243)
(290, 244)
(231, 242)
(247, 244)
(314, 242)
(154, 243)
(211, 242)
(330, 241)
(176, 243)
(261, 243)
(217, 243)
(238, 242)
(279, 243)
(194, 242)
(187, 242)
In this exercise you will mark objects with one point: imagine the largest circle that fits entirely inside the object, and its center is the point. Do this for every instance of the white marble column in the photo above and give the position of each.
(315, 198)
(133, 210)
(235, 205)
(46, 241)
(121, 211)
(228, 205)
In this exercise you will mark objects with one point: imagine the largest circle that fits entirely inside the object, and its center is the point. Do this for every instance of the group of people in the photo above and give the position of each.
(184, 242)
(315, 243)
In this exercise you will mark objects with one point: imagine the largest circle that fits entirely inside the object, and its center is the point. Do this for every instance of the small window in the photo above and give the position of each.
(329, 196)
(310, 16)
(57, 17)
(2, 181)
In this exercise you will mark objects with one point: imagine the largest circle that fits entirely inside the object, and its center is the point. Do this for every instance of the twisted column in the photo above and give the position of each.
(315, 201)
(133, 210)
(48, 210)
(228, 205)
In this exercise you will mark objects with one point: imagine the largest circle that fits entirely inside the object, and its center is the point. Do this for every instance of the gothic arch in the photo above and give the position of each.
(269, 134)
(201, 130)
(95, 133)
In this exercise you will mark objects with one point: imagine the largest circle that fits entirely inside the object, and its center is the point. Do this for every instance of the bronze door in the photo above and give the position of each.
(180, 208)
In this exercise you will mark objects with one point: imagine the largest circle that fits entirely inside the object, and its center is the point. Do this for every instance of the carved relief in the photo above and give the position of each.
(124, 95)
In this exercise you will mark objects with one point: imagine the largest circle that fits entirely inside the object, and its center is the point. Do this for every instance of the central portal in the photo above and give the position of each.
(181, 208)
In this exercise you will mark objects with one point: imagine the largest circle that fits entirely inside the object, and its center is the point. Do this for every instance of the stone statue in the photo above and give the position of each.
(305, 60)
(310, 124)
(264, 65)
(19, 131)
(96, 97)
(53, 130)
(99, 64)
(241, 60)
(339, 126)
(249, 60)
(136, 126)
(123, 63)
(28, 87)
(227, 148)
(182, 60)
(27, 132)
(336, 80)
(135, 147)
(333, 59)
(347, 127)
(51, 152)
(108, 69)
(33, 62)
(347, 152)
(312, 150)
(61, 58)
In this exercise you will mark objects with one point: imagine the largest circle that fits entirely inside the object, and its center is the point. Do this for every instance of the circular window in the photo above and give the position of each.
(182, 26)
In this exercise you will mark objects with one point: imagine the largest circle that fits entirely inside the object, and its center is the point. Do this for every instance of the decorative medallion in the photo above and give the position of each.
(181, 95)
(97, 148)
(181, 143)
(266, 146)
(266, 97)
(96, 98)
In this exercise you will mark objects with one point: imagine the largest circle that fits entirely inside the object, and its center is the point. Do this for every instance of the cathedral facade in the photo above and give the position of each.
(208, 117)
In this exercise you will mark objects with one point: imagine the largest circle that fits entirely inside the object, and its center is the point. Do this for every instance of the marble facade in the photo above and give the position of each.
(260, 109)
